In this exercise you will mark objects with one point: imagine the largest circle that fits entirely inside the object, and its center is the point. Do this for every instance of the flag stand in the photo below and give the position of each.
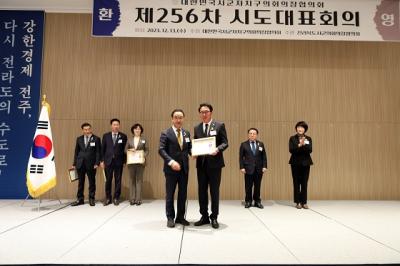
(39, 201)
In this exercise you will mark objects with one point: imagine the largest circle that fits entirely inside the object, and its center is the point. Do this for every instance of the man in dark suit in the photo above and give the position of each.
(175, 148)
(209, 167)
(87, 158)
(253, 163)
(114, 158)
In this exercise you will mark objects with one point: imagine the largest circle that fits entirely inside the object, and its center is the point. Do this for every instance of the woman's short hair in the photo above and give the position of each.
(301, 124)
(135, 126)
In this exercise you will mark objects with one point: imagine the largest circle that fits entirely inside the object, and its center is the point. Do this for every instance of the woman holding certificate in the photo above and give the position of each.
(137, 151)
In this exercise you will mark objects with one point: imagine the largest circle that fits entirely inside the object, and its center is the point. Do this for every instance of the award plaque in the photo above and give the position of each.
(135, 157)
(203, 146)
(73, 175)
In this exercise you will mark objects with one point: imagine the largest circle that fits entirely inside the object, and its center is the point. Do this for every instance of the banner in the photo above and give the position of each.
(349, 20)
(21, 43)
(41, 170)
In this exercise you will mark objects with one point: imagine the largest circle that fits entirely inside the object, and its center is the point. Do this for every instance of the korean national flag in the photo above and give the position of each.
(41, 170)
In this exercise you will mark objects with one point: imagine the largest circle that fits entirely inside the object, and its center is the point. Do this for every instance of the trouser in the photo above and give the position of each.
(171, 181)
(250, 181)
(209, 177)
(116, 171)
(91, 174)
(300, 175)
(136, 181)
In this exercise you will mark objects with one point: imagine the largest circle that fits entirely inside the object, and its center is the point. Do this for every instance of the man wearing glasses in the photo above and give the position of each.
(209, 167)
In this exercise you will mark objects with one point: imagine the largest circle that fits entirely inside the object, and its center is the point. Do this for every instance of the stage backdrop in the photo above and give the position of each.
(357, 20)
(348, 92)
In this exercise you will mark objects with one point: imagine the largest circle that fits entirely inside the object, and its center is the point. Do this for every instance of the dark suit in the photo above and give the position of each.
(209, 168)
(170, 150)
(300, 162)
(114, 157)
(253, 163)
(85, 158)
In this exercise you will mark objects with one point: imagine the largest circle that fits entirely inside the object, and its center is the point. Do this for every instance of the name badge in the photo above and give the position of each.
(213, 133)
(120, 141)
(92, 144)
(143, 141)
(187, 140)
(306, 142)
(260, 148)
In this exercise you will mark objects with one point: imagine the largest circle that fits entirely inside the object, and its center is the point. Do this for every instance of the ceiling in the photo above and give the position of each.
(51, 6)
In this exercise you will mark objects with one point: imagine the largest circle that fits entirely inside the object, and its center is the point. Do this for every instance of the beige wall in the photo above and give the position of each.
(348, 92)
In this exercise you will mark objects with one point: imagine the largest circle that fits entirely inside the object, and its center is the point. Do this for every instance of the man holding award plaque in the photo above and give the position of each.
(210, 140)
(87, 158)
(175, 148)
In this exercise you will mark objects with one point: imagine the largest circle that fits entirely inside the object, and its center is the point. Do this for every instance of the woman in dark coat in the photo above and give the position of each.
(300, 147)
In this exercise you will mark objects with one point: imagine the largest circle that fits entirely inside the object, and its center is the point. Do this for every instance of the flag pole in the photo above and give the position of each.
(47, 105)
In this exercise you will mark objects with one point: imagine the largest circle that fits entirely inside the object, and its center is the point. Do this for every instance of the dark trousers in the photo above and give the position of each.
(250, 181)
(91, 174)
(209, 177)
(116, 171)
(171, 180)
(300, 175)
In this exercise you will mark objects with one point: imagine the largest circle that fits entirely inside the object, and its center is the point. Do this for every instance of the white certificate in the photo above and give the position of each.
(203, 146)
(135, 157)
(73, 175)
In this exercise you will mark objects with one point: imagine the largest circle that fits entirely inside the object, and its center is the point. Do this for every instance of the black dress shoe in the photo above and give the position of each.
(170, 223)
(107, 202)
(258, 205)
(138, 203)
(214, 223)
(202, 221)
(182, 221)
(77, 203)
(247, 204)
(92, 202)
(116, 202)
(132, 202)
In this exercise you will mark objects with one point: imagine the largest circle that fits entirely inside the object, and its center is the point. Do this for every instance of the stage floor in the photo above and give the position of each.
(330, 232)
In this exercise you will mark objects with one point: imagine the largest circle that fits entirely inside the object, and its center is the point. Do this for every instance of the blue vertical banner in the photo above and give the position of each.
(106, 17)
(21, 48)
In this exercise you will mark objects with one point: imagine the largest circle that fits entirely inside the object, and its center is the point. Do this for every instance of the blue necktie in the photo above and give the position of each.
(253, 147)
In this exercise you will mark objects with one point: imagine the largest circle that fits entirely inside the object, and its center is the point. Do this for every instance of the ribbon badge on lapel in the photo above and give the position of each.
(212, 126)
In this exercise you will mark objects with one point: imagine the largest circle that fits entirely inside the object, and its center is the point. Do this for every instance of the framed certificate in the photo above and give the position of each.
(203, 146)
(73, 175)
(135, 157)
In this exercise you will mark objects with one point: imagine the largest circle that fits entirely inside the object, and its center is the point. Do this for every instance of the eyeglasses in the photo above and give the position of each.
(204, 112)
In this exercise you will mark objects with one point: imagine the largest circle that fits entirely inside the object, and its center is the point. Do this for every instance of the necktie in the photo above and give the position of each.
(114, 137)
(86, 141)
(253, 147)
(178, 135)
(206, 130)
